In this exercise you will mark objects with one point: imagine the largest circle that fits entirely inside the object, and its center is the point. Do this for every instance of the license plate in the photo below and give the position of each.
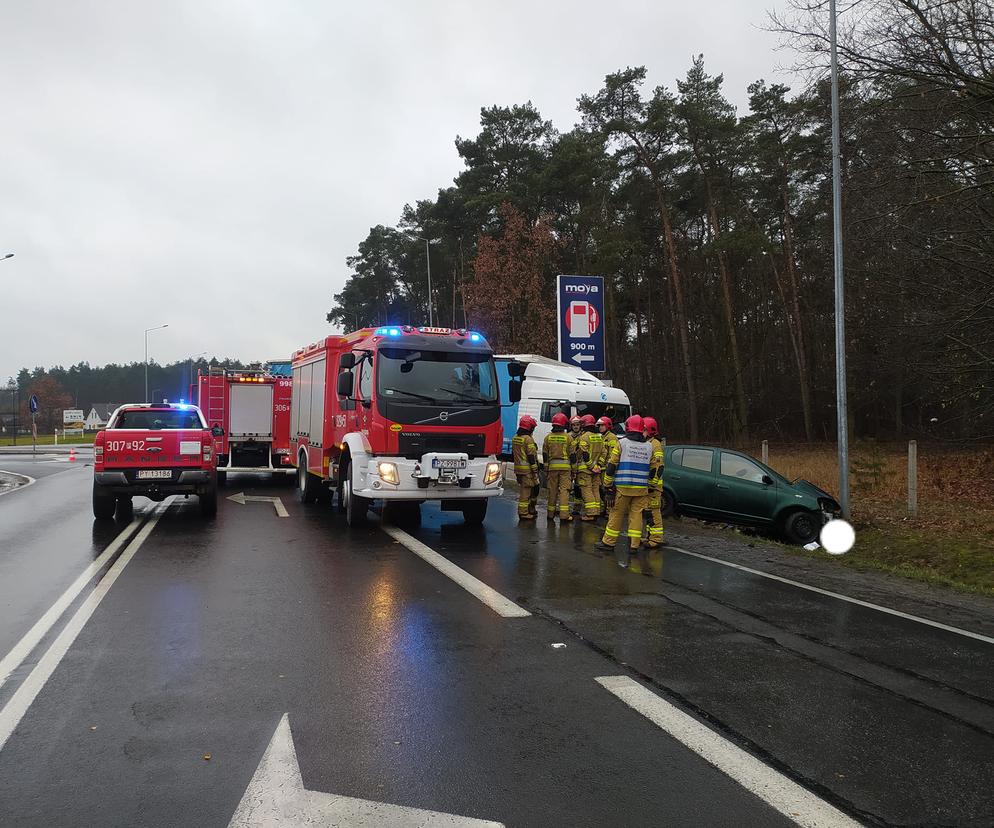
(447, 464)
(154, 474)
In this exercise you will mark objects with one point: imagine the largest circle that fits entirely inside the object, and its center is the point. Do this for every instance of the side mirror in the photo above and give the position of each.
(767, 480)
(514, 390)
(217, 431)
(515, 369)
(345, 383)
(346, 360)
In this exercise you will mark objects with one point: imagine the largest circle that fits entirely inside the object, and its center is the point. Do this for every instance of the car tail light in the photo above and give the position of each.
(208, 451)
(98, 452)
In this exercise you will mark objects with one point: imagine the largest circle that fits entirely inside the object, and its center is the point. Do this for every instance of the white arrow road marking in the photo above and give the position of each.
(582, 358)
(796, 803)
(276, 797)
(243, 498)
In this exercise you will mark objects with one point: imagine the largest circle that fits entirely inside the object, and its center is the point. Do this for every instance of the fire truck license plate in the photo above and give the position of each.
(447, 464)
(154, 474)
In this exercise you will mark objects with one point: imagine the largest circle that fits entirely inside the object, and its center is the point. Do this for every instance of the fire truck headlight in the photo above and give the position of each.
(388, 473)
(492, 475)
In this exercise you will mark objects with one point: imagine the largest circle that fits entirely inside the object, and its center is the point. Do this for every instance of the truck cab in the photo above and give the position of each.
(153, 450)
(400, 414)
(548, 387)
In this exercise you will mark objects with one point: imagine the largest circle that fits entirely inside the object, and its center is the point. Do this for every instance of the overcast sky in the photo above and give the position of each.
(210, 164)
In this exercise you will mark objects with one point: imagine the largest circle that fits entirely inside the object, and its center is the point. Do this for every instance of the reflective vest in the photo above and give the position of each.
(555, 451)
(524, 451)
(632, 460)
(589, 450)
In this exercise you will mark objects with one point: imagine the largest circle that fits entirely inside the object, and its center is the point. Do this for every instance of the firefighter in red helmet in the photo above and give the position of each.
(606, 428)
(654, 506)
(524, 452)
(555, 455)
(589, 465)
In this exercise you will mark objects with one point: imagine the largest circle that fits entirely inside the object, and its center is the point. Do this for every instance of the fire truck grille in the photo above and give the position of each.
(413, 444)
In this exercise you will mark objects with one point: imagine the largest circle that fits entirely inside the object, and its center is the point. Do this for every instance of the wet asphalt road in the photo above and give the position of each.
(401, 687)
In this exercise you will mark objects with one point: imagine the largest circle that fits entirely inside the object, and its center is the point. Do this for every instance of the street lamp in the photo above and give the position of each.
(156, 328)
(6, 256)
(840, 306)
(428, 259)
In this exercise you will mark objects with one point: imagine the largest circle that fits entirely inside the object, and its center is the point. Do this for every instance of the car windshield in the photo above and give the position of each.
(617, 413)
(436, 377)
(156, 418)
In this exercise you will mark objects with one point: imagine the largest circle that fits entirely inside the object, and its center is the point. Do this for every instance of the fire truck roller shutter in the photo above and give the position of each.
(251, 410)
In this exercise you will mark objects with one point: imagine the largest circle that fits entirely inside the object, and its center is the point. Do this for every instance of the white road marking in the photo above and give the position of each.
(30, 480)
(276, 796)
(23, 648)
(938, 625)
(491, 597)
(18, 704)
(277, 502)
(793, 801)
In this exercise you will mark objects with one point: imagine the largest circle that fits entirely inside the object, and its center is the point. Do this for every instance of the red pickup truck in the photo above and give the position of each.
(153, 450)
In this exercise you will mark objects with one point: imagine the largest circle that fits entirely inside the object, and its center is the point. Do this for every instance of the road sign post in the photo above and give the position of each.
(580, 310)
(33, 407)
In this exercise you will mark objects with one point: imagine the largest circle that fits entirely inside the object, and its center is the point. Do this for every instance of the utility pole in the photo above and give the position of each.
(156, 328)
(840, 305)
(428, 259)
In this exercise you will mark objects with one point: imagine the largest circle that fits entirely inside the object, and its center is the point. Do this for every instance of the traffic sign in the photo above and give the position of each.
(580, 308)
(33, 404)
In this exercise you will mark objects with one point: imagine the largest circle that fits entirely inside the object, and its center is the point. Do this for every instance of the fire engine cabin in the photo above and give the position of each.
(398, 414)
(253, 409)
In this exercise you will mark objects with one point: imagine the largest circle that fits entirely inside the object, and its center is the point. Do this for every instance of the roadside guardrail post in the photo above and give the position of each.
(913, 477)
(766, 452)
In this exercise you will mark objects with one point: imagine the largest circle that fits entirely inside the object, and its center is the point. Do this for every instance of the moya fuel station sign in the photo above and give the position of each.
(580, 308)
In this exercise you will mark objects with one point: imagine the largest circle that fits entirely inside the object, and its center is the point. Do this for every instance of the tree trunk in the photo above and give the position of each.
(795, 311)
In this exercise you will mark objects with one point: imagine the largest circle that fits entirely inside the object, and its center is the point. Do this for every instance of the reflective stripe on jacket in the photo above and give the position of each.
(524, 451)
(555, 451)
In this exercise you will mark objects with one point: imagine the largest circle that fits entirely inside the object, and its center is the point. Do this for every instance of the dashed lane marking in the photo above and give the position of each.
(793, 801)
(18, 704)
(908, 617)
(488, 595)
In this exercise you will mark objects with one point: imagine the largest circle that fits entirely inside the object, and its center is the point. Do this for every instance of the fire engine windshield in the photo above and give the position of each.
(436, 377)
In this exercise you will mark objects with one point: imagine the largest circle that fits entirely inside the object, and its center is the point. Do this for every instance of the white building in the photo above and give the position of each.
(99, 415)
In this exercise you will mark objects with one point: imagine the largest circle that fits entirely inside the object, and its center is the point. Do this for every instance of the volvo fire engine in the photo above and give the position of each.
(400, 414)
(252, 408)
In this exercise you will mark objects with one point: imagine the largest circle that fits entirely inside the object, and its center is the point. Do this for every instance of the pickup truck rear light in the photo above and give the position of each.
(98, 452)
(208, 451)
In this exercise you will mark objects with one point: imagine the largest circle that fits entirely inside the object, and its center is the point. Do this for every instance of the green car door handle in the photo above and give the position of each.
(721, 485)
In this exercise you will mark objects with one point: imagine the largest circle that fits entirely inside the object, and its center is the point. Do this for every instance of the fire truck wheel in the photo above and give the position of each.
(222, 478)
(474, 511)
(307, 484)
(208, 502)
(103, 504)
(356, 508)
(125, 508)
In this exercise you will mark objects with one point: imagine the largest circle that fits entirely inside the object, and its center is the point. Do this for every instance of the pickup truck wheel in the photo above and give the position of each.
(801, 527)
(307, 484)
(668, 504)
(474, 511)
(356, 508)
(125, 508)
(103, 504)
(208, 502)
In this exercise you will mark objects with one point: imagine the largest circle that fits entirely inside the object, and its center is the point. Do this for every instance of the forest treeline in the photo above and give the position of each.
(714, 232)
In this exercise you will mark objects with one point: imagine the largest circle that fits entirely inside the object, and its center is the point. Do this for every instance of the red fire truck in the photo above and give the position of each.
(399, 414)
(252, 407)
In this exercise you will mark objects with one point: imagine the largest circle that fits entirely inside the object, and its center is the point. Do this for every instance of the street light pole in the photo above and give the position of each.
(840, 305)
(156, 328)
(428, 259)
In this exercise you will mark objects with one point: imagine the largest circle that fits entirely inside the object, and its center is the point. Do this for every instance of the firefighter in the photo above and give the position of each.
(589, 465)
(628, 471)
(654, 501)
(573, 435)
(558, 469)
(606, 428)
(524, 451)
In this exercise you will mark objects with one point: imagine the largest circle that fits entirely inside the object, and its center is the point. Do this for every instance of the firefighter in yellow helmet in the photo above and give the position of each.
(606, 428)
(628, 471)
(589, 465)
(558, 469)
(524, 452)
(573, 436)
(654, 504)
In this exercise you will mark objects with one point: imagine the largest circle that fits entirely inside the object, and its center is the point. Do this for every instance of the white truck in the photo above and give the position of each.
(548, 387)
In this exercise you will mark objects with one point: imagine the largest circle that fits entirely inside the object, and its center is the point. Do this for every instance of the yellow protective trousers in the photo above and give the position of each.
(527, 493)
(628, 508)
(559, 486)
(654, 506)
(590, 491)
